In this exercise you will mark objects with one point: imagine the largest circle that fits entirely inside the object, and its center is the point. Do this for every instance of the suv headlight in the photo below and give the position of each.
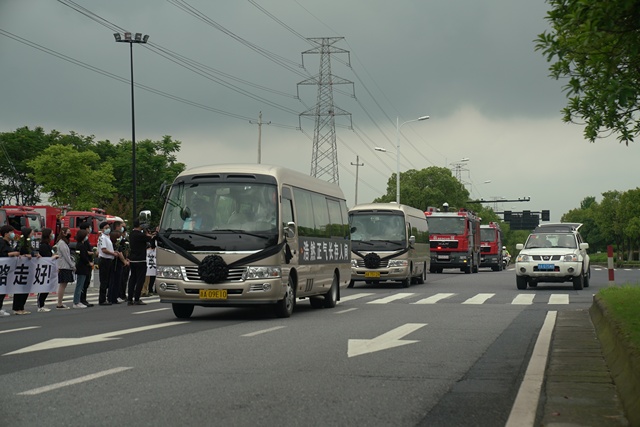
(571, 258)
(262, 272)
(169, 272)
(398, 263)
(354, 263)
(524, 258)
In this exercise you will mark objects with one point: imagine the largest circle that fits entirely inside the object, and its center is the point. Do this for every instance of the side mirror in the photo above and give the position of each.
(185, 213)
(519, 246)
(412, 240)
(584, 245)
(353, 229)
(290, 230)
(144, 216)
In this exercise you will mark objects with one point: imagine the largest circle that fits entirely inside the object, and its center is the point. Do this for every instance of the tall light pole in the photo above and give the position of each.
(357, 164)
(398, 152)
(138, 38)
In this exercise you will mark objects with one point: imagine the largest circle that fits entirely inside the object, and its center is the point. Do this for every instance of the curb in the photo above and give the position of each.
(622, 359)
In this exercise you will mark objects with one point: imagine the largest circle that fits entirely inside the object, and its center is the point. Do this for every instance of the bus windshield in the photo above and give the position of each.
(446, 225)
(221, 216)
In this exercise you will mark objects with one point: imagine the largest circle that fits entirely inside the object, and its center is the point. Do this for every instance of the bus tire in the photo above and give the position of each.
(351, 283)
(284, 307)
(423, 277)
(182, 311)
(331, 297)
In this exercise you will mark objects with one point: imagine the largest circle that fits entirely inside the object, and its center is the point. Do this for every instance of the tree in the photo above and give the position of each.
(427, 187)
(596, 46)
(73, 178)
(156, 163)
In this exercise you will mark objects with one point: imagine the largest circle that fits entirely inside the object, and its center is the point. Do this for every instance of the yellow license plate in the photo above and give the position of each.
(372, 274)
(213, 294)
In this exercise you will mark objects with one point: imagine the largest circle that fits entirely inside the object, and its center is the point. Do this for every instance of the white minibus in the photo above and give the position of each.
(252, 234)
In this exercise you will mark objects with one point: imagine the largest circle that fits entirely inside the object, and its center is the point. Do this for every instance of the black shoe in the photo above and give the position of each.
(139, 303)
(129, 302)
(87, 303)
(115, 302)
(104, 303)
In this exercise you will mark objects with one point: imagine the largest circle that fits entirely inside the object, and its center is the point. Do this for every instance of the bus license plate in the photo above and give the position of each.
(372, 274)
(213, 294)
(546, 267)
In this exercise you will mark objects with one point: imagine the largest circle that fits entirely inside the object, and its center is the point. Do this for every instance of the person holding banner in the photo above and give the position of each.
(66, 265)
(7, 233)
(27, 251)
(45, 251)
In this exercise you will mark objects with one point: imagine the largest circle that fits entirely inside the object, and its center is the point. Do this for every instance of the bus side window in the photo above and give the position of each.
(287, 211)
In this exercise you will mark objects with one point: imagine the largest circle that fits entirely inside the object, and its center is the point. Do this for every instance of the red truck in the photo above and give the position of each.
(491, 246)
(73, 219)
(454, 240)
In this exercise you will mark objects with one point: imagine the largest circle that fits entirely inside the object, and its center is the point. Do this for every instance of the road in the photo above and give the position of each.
(451, 352)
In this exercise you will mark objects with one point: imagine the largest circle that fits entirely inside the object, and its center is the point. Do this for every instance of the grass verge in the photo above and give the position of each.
(623, 305)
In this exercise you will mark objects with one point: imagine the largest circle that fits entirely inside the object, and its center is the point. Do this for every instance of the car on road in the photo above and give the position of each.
(553, 253)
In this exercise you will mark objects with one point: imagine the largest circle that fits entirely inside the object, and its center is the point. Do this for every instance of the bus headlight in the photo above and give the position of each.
(398, 263)
(169, 272)
(262, 273)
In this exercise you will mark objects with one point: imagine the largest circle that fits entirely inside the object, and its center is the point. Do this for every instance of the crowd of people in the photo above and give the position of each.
(125, 262)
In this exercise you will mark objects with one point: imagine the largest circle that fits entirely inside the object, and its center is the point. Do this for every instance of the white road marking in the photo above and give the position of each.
(559, 299)
(47, 388)
(354, 296)
(385, 341)
(390, 298)
(434, 299)
(67, 342)
(523, 299)
(478, 299)
(264, 331)
(346, 311)
(20, 329)
(151, 311)
(523, 412)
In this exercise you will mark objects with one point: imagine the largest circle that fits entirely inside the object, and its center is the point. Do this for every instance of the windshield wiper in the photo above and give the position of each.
(362, 241)
(390, 241)
(242, 232)
(180, 230)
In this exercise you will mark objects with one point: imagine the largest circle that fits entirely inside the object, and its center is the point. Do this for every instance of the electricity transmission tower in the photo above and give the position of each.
(324, 157)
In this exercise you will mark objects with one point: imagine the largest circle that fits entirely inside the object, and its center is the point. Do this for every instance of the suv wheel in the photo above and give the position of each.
(521, 282)
(578, 282)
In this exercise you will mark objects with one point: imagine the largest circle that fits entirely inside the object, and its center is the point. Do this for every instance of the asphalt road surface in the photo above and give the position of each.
(451, 352)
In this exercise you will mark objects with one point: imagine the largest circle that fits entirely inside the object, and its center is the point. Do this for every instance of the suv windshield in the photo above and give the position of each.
(551, 240)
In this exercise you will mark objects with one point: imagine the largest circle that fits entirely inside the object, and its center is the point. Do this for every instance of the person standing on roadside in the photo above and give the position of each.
(151, 266)
(66, 265)
(27, 251)
(84, 267)
(117, 268)
(107, 255)
(88, 249)
(45, 251)
(138, 240)
(6, 251)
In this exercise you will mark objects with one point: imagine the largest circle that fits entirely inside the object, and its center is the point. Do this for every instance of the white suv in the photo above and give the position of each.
(553, 253)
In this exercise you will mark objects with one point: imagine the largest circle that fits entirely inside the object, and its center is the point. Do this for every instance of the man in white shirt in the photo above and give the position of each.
(106, 255)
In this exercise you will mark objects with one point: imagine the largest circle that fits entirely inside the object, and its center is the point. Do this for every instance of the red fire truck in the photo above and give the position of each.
(51, 216)
(491, 246)
(23, 216)
(94, 217)
(455, 240)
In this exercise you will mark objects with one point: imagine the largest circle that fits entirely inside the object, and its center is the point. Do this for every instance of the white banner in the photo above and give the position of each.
(21, 275)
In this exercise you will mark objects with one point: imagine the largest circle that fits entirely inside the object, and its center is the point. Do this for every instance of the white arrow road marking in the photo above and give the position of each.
(71, 382)
(387, 340)
(67, 342)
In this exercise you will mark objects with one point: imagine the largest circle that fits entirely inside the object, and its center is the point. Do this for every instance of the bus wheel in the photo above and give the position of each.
(182, 311)
(423, 276)
(284, 307)
(331, 297)
(351, 283)
(406, 282)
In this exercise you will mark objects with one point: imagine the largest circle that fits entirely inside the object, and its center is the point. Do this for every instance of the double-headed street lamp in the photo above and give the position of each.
(138, 38)
(398, 126)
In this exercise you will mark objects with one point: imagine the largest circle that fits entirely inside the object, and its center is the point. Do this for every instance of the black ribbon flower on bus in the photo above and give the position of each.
(372, 260)
(213, 269)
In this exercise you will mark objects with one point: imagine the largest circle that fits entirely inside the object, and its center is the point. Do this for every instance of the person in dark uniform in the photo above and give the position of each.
(138, 240)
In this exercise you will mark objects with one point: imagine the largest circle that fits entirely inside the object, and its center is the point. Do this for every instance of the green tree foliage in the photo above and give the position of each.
(71, 177)
(156, 163)
(421, 189)
(595, 46)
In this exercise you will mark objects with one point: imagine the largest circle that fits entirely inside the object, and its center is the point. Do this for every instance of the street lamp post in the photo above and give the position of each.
(138, 38)
(398, 152)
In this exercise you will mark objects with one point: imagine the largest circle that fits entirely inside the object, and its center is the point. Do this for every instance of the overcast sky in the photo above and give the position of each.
(470, 65)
